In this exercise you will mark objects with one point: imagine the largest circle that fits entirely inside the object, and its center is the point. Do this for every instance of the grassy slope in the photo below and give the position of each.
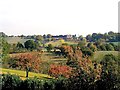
(23, 73)
(13, 40)
(59, 43)
(100, 54)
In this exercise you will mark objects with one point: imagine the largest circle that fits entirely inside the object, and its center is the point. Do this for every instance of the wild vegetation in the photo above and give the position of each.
(64, 62)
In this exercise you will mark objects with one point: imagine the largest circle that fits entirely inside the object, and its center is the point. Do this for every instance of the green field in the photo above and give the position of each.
(60, 42)
(98, 56)
(22, 74)
(14, 40)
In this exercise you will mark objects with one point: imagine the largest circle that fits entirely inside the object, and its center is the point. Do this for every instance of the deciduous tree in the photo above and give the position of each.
(28, 62)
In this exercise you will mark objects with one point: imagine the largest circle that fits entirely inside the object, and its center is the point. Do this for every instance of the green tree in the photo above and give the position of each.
(109, 47)
(49, 47)
(82, 43)
(5, 49)
(102, 47)
(20, 45)
(30, 45)
(110, 63)
(39, 37)
(92, 47)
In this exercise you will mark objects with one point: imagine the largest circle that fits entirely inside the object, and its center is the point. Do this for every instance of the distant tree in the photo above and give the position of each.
(30, 45)
(110, 33)
(109, 47)
(98, 43)
(2, 34)
(49, 36)
(39, 37)
(89, 38)
(49, 47)
(92, 47)
(80, 37)
(116, 47)
(87, 51)
(102, 47)
(28, 62)
(19, 45)
(82, 43)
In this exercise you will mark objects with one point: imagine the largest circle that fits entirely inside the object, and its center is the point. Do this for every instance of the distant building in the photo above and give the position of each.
(65, 37)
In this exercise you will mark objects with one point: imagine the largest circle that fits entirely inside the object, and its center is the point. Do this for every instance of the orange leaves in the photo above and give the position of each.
(28, 60)
(75, 55)
(60, 70)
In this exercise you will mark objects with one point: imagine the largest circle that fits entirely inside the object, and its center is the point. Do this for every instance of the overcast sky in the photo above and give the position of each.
(79, 17)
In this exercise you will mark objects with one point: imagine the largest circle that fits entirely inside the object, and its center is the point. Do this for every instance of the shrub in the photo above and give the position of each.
(49, 84)
(10, 82)
(61, 83)
(60, 70)
(32, 84)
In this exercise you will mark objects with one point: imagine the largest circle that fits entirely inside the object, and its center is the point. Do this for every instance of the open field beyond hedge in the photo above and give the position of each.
(23, 73)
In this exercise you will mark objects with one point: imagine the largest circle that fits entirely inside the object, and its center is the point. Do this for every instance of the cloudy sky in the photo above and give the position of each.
(79, 17)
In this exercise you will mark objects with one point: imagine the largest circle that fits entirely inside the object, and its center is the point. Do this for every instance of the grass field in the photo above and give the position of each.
(14, 40)
(59, 43)
(98, 56)
(22, 74)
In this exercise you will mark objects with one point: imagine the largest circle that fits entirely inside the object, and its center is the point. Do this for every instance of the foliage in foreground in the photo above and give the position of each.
(107, 82)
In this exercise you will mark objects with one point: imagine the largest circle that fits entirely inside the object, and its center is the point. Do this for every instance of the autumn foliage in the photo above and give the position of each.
(77, 60)
(60, 70)
(28, 61)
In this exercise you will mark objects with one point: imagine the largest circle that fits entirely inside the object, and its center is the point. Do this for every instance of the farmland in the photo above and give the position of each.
(22, 73)
(46, 61)
(98, 56)
(14, 40)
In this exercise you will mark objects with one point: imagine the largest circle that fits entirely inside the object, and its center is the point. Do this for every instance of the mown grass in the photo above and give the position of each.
(98, 56)
(22, 74)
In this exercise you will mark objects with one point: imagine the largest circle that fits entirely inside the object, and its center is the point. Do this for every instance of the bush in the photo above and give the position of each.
(32, 84)
(10, 82)
(49, 84)
(86, 51)
(60, 70)
(109, 47)
(61, 83)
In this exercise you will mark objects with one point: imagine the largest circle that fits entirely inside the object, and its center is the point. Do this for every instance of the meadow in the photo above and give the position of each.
(98, 56)
(23, 73)
(15, 40)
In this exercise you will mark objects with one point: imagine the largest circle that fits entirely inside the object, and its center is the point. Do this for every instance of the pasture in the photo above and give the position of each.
(60, 42)
(98, 56)
(23, 73)
(15, 40)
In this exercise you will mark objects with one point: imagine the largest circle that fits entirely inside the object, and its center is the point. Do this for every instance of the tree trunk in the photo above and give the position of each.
(27, 71)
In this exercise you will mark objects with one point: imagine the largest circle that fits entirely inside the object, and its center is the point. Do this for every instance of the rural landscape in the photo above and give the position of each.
(60, 62)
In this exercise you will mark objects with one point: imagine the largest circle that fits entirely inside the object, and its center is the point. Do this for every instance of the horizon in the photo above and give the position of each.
(58, 34)
(28, 17)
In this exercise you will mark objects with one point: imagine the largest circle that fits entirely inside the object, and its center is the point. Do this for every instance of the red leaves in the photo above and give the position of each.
(83, 62)
(60, 70)
(28, 60)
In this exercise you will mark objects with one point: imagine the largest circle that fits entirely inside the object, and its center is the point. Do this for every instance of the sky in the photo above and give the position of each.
(80, 17)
